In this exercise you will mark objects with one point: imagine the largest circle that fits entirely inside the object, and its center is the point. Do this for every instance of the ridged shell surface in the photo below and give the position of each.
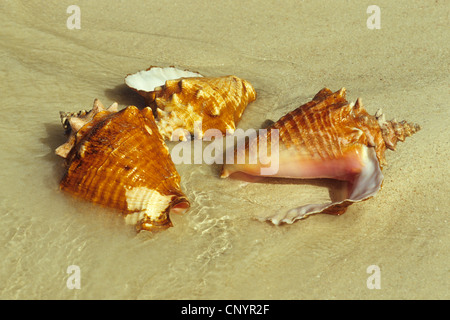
(328, 125)
(182, 104)
(119, 160)
(218, 103)
(326, 138)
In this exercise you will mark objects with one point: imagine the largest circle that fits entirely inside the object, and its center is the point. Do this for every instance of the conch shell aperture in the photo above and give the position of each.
(118, 159)
(327, 138)
(182, 99)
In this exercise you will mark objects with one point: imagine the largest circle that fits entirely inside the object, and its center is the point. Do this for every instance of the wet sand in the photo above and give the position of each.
(288, 50)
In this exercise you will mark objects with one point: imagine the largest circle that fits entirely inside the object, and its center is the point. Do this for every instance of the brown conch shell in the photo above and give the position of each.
(325, 138)
(118, 159)
(187, 103)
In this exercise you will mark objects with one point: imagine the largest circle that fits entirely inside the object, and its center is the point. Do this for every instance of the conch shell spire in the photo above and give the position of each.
(72, 122)
(393, 130)
(75, 120)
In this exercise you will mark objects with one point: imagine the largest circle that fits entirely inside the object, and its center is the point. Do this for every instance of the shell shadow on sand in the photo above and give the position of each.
(123, 95)
(55, 137)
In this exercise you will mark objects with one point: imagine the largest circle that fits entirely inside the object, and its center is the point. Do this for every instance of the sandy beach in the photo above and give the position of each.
(396, 58)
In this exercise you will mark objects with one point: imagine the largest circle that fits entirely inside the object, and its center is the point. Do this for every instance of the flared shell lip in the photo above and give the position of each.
(158, 81)
(179, 204)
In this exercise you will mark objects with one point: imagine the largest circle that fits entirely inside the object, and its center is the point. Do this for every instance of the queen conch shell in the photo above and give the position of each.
(183, 100)
(326, 138)
(118, 159)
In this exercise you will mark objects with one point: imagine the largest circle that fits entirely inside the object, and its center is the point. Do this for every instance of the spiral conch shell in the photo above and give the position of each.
(184, 100)
(118, 159)
(327, 138)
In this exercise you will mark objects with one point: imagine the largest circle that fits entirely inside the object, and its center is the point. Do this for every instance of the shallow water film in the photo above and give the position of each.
(393, 246)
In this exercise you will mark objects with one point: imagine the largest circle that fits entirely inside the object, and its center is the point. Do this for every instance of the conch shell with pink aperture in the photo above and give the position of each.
(326, 138)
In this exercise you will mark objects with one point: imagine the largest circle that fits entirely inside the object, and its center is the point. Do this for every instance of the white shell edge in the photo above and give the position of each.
(149, 80)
